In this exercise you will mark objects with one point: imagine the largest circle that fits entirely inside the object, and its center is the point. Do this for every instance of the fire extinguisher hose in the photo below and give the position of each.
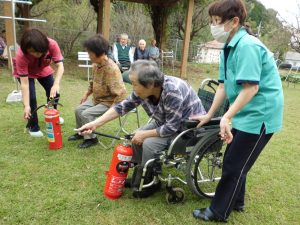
(127, 137)
(51, 102)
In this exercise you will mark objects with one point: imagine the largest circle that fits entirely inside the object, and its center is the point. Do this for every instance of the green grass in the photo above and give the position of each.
(39, 186)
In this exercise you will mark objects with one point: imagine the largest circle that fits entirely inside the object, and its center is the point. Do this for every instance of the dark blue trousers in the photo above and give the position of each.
(47, 83)
(239, 157)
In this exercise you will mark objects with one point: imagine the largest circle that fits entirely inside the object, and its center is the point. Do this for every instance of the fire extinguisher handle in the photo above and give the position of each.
(53, 102)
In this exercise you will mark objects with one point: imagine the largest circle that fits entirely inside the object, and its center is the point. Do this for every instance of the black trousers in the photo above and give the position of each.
(239, 157)
(47, 83)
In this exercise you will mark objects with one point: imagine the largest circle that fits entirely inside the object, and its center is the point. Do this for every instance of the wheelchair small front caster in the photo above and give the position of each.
(175, 195)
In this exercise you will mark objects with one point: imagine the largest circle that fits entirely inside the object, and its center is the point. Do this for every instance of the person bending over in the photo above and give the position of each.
(32, 62)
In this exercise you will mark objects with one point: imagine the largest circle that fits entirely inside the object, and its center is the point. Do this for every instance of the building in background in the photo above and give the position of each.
(293, 58)
(209, 52)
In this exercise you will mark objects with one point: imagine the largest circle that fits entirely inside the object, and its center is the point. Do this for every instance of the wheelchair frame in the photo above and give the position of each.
(199, 156)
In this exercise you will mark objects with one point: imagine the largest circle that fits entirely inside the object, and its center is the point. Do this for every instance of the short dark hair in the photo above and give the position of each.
(97, 44)
(3, 31)
(147, 73)
(34, 38)
(227, 9)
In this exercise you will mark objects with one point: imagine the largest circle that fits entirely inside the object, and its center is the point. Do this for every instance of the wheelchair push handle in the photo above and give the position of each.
(212, 81)
(194, 123)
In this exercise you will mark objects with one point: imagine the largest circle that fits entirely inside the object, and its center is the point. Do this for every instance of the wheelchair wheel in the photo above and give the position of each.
(175, 195)
(204, 167)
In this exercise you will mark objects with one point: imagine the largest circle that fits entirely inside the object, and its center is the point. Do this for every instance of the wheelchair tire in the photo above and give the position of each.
(178, 196)
(204, 167)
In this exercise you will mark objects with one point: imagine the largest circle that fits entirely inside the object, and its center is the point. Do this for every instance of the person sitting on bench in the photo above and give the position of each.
(123, 53)
(2, 42)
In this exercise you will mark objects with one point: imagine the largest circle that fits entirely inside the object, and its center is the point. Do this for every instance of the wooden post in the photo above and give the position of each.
(163, 34)
(8, 24)
(26, 14)
(8, 27)
(106, 19)
(186, 42)
(100, 17)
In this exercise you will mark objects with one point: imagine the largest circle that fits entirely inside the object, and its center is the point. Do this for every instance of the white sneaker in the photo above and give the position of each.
(61, 120)
(36, 133)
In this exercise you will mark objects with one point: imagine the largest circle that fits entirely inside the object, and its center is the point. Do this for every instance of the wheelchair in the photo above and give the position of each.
(197, 152)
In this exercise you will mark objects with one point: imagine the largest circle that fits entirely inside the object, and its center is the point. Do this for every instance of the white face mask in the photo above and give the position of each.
(219, 33)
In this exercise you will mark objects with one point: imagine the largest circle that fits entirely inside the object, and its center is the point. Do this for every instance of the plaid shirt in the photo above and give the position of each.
(178, 101)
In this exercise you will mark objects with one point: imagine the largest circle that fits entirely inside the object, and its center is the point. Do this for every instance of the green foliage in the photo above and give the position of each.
(200, 20)
(257, 12)
(133, 19)
(68, 21)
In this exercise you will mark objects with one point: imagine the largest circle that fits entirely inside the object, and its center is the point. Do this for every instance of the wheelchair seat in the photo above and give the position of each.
(190, 136)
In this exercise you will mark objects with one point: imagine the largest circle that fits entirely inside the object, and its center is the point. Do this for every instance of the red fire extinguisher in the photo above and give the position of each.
(118, 170)
(53, 127)
(52, 123)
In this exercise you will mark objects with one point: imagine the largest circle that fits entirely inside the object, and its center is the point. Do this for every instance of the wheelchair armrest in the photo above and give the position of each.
(213, 122)
(193, 123)
(190, 123)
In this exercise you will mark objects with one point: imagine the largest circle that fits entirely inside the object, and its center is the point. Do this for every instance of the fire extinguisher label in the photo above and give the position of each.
(116, 185)
(50, 132)
(123, 167)
(124, 158)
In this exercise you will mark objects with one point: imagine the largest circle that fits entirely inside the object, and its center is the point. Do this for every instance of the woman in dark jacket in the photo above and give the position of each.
(141, 52)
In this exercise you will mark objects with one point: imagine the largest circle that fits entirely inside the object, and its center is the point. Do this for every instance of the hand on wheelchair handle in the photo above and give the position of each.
(203, 119)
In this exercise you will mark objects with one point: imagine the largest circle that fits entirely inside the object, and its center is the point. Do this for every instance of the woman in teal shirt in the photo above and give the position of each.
(250, 80)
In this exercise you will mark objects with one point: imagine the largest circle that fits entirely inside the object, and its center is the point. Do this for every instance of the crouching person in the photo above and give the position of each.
(107, 88)
(168, 101)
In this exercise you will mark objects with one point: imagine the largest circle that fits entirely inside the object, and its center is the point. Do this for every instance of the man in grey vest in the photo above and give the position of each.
(123, 54)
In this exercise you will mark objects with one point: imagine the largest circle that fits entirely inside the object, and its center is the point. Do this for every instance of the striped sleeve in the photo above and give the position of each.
(128, 104)
(173, 111)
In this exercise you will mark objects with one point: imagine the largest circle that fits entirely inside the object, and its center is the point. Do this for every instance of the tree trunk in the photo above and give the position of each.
(100, 17)
(159, 21)
(24, 12)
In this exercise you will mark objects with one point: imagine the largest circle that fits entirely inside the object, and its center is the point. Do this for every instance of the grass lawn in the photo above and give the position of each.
(38, 186)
